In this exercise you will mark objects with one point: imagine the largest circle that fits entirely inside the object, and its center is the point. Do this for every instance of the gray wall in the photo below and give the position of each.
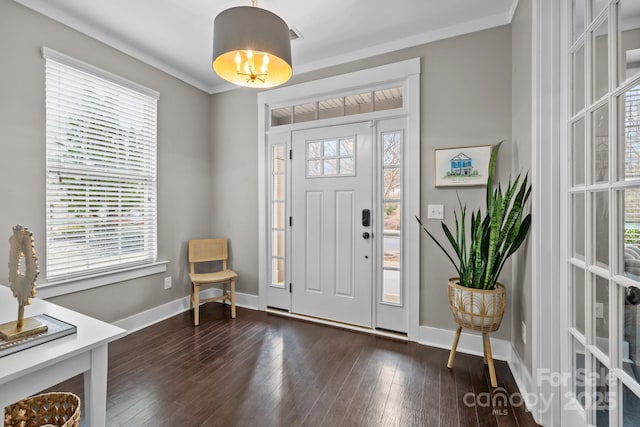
(466, 100)
(184, 173)
(234, 184)
(521, 104)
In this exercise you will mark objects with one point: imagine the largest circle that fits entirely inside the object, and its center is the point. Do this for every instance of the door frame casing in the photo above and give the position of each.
(405, 73)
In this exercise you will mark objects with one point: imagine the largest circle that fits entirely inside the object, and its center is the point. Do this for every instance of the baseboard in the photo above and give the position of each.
(157, 314)
(469, 343)
(525, 384)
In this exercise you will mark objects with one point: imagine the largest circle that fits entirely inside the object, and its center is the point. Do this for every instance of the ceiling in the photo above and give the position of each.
(176, 36)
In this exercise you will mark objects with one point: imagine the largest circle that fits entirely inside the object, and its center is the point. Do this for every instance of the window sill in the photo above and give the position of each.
(54, 289)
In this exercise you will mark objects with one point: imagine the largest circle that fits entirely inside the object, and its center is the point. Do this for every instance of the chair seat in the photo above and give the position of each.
(218, 276)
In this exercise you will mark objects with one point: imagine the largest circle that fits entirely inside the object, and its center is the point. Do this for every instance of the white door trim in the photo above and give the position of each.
(406, 73)
(547, 135)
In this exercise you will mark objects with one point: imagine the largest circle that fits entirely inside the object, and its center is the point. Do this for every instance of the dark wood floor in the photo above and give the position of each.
(266, 370)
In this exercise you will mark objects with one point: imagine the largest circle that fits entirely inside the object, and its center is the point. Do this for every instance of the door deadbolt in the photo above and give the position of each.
(366, 235)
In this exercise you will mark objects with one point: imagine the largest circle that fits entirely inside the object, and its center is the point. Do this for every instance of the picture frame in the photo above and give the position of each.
(462, 166)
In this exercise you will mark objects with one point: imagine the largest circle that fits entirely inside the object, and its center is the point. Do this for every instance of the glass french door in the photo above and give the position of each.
(604, 211)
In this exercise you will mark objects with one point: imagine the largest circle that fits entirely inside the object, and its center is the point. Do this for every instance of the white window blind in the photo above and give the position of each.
(101, 170)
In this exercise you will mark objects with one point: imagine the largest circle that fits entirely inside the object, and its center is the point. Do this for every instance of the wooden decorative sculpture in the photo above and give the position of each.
(23, 284)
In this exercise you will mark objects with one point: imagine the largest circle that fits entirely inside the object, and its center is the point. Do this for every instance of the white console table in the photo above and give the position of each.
(32, 370)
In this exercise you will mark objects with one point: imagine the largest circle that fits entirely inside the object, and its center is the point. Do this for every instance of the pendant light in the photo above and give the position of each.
(251, 47)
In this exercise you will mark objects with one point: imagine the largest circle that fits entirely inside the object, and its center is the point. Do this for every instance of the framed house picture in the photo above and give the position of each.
(462, 166)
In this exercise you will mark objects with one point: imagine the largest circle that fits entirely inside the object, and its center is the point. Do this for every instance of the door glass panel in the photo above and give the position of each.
(578, 79)
(579, 299)
(578, 225)
(314, 150)
(391, 286)
(600, 144)
(629, 132)
(392, 251)
(579, 372)
(631, 209)
(313, 167)
(277, 271)
(278, 243)
(578, 158)
(391, 204)
(346, 166)
(346, 147)
(391, 154)
(278, 214)
(278, 162)
(278, 187)
(331, 157)
(601, 228)
(600, 46)
(629, 38)
(392, 183)
(278, 158)
(330, 167)
(630, 408)
(330, 148)
(577, 19)
(601, 313)
(601, 394)
(631, 333)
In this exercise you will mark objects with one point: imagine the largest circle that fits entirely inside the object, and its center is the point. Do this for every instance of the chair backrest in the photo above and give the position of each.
(205, 250)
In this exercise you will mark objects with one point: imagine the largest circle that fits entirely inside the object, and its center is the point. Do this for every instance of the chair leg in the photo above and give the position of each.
(233, 298)
(191, 297)
(196, 304)
(452, 354)
(487, 350)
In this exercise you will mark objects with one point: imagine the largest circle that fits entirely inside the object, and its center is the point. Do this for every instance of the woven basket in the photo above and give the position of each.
(59, 409)
(477, 309)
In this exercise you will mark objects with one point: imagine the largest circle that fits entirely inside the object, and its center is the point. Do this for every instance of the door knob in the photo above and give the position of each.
(366, 235)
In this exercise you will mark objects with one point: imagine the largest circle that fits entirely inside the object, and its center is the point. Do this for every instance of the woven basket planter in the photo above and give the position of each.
(477, 309)
(58, 409)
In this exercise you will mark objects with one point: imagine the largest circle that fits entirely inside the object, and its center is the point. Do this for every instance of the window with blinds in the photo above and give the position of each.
(100, 168)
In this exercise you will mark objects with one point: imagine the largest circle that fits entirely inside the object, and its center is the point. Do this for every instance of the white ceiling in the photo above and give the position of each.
(176, 36)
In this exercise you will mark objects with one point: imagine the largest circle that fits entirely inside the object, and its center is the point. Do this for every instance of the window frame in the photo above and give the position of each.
(67, 283)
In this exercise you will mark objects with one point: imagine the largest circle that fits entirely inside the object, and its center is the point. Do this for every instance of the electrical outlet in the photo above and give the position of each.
(599, 310)
(167, 282)
(524, 332)
(435, 211)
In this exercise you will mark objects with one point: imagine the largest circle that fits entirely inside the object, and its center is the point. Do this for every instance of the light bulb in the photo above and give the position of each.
(238, 60)
(249, 54)
(265, 59)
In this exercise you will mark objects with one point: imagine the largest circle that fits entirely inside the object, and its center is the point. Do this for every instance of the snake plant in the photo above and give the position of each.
(492, 238)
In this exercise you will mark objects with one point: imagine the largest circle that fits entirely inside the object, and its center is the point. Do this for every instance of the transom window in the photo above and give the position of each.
(359, 103)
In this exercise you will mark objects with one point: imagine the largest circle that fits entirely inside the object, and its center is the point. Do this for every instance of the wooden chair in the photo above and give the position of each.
(208, 250)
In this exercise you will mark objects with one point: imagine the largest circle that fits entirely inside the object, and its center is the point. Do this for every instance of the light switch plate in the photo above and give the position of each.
(435, 211)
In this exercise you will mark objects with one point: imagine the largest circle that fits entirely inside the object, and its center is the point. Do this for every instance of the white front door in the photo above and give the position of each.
(332, 217)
